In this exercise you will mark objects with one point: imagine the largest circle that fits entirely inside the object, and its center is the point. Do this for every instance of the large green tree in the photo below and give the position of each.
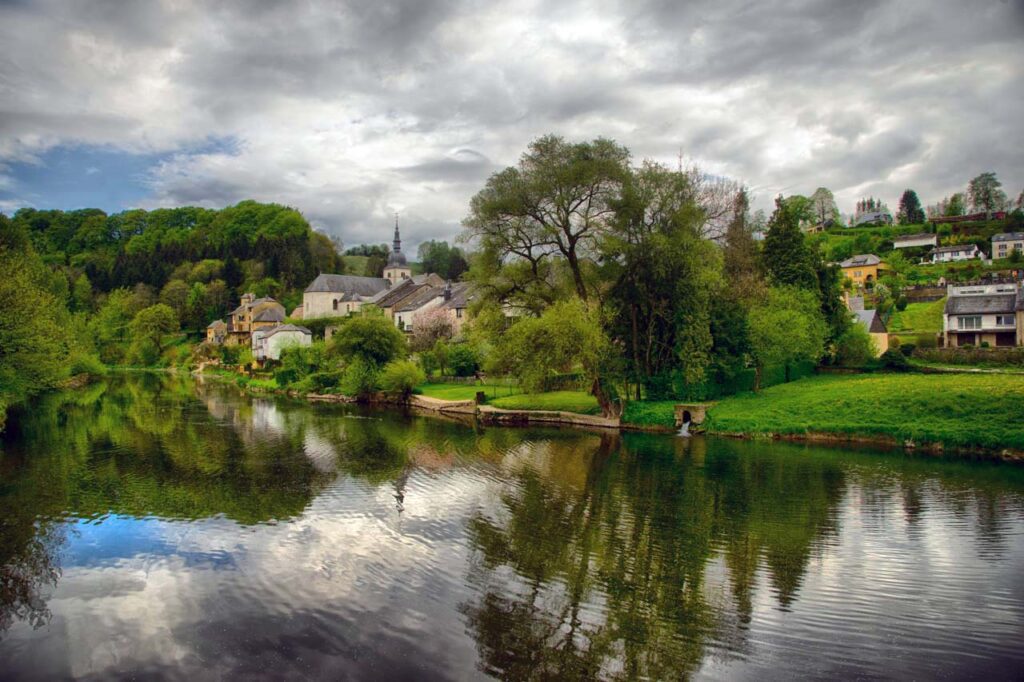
(910, 211)
(788, 261)
(555, 204)
(985, 193)
(787, 328)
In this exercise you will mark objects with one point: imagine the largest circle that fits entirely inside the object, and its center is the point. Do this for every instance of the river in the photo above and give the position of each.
(156, 527)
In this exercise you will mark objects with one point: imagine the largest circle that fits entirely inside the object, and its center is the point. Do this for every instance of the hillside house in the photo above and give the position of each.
(871, 211)
(991, 313)
(251, 314)
(957, 252)
(864, 269)
(1005, 244)
(913, 241)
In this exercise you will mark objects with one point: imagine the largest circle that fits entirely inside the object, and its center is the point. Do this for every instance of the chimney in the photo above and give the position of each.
(448, 290)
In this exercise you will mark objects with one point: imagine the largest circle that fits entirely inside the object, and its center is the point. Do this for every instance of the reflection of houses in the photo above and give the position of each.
(864, 269)
(984, 313)
(267, 344)
(251, 314)
(1005, 244)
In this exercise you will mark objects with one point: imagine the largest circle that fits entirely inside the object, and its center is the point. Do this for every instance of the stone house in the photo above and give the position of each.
(216, 332)
(251, 314)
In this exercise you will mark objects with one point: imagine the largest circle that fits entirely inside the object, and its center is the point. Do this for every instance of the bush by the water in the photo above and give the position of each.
(401, 377)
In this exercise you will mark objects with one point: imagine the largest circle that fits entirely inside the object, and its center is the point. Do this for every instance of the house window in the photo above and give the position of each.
(1004, 320)
(856, 273)
(458, 312)
(335, 304)
(969, 322)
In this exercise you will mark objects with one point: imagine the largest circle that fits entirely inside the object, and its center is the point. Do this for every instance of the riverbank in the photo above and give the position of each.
(976, 414)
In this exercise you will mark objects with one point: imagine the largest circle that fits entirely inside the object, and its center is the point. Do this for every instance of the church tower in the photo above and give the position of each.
(397, 269)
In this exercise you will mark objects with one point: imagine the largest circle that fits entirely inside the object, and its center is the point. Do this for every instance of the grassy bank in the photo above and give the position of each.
(957, 410)
(559, 401)
(466, 391)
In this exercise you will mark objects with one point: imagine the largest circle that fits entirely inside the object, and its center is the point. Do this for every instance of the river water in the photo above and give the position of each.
(155, 527)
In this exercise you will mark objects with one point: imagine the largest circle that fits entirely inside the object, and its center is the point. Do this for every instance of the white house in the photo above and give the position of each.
(984, 313)
(1005, 244)
(267, 344)
(910, 241)
(958, 252)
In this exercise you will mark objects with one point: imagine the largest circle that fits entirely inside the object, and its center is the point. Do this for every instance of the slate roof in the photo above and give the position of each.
(1008, 237)
(980, 304)
(286, 328)
(462, 294)
(955, 248)
(216, 323)
(873, 216)
(396, 293)
(872, 320)
(861, 260)
(269, 315)
(919, 235)
(420, 298)
(351, 284)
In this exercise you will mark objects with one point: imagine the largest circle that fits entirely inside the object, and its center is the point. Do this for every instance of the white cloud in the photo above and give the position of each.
(351, 112)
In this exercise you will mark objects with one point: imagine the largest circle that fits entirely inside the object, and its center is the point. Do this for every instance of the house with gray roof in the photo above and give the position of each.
(956, 252)
(988, 313)
(1005, 244)
(267, 344)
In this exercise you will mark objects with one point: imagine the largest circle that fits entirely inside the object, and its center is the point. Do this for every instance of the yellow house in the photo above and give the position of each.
(864, 269)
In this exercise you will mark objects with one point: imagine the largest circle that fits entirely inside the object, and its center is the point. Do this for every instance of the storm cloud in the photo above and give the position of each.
(353, 111)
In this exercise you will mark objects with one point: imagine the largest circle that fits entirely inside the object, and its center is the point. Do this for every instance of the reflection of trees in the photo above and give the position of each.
(29, 566)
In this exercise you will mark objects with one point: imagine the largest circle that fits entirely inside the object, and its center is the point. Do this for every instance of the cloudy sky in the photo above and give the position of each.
(352, 111)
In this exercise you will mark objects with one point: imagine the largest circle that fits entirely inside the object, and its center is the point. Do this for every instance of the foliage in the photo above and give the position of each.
(895, 361)
(787, 259)
(439, 257)
(467, 391)
(910, 211)
(462, 360)
(958, 410)
(650, 413)
(360, 378)
(918, 317)
(566, 335)
(153, 324)
(401, 377)
(788, 327)
(552, 206)
(370, 337)
(985, 193)
(855, 348)
(429, 327)
(823, 206)
(992, 357)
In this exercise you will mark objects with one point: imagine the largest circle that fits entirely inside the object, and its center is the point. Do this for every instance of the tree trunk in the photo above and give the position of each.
(610, 409)
(757, 378)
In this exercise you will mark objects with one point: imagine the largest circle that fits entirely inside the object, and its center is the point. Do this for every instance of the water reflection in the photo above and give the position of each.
(157, 526)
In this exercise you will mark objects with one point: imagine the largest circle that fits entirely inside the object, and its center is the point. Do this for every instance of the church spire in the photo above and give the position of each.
(397, 245)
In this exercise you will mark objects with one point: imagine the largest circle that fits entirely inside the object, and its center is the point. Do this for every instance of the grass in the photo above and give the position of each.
(918, 317)
(465, 391)
(650, 413)
(355, 265)
(956, 410)
(561, 401)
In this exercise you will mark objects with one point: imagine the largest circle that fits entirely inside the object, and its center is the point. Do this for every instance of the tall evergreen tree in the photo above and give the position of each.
(743, 277)
(786, 256)
(910, 211)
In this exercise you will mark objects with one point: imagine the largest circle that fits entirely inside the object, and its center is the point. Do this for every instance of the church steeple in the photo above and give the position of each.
(397, 268)
(397, 244)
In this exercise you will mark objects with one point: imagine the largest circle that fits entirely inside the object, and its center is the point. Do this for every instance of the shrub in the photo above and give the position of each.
(984, 344)
(143, 352)
(286, 376)
(901, 303)
(907, 349)
(401, 376)
(855, 348)
(894, 361)
(369, 337)
(360, 378)
(927, 340)
(322, 382)
(462, 360)
(87, 363)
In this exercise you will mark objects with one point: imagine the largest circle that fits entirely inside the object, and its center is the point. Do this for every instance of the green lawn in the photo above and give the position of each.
(650, 413)
(562, 401)
(918, 317)
(965, 410)
(465, 391)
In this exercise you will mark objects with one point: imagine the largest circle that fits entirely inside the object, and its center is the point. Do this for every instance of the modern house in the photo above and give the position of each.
(267, 344)
(957, 252)
(864, 269)
(989, 313)
(1005, 244)
(913, 241)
